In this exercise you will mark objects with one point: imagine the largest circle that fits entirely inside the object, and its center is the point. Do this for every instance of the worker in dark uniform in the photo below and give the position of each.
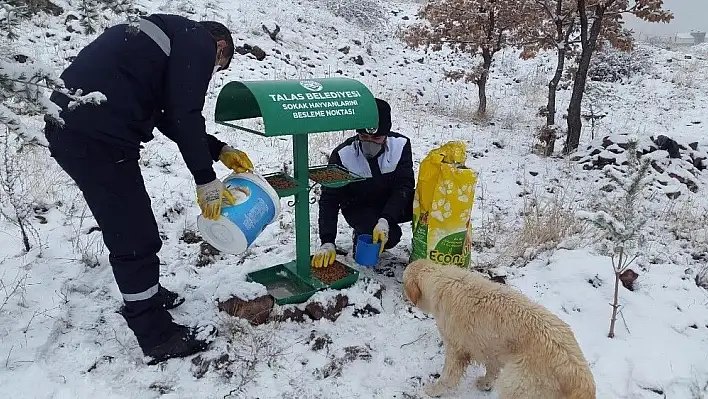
(153, 74)
(378, 204)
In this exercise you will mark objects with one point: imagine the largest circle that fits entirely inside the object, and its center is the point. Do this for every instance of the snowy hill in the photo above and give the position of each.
(60, 335)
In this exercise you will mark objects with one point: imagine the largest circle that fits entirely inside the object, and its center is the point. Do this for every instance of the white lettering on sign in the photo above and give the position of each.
(287, 97)
(314, 96)
(324, 114)
(339, 112)
(323, 104)
(334, 104)
(296, 106)
(332, 95)
(308, 114)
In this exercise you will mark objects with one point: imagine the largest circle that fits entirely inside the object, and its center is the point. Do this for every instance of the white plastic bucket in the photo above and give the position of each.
(257, 205)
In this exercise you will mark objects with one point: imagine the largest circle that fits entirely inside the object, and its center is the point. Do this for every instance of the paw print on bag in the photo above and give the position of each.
(441, 209)
(463, 194)
(449, 188)
(447, 208)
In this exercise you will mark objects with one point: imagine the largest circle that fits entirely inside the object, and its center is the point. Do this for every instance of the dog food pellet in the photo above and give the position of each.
(328, 275)
(279, 183)
(327, 175)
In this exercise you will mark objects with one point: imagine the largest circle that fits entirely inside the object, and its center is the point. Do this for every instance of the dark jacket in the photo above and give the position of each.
(388, 189)
(146, 89)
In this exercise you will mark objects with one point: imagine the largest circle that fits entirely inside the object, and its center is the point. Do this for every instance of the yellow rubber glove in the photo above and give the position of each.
(235, 160)
(324, 256)
(210, 197)
(380, 233)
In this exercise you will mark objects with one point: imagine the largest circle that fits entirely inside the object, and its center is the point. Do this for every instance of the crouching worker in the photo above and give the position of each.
(378, 204)
(155, 77)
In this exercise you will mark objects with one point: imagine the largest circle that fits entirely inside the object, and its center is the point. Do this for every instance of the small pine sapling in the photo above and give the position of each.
(10, 16)
(24, 85)
(622, 216)
(22, 89)
(90, 16)
(16, 203)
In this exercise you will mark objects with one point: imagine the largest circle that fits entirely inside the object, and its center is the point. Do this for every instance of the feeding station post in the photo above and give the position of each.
(297, 108)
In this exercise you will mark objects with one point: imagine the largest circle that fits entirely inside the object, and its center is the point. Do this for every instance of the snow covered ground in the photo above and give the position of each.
(60, 335)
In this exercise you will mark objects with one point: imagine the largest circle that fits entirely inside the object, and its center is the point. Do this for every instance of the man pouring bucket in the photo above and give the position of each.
(155, 77)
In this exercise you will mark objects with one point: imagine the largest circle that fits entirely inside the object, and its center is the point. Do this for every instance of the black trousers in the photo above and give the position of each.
(111, 182)
(363, 221)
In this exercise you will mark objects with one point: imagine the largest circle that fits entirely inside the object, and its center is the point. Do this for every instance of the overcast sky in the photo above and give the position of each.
(688, 15)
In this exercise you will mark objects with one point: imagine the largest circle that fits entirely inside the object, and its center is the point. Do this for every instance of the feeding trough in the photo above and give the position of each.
(332, 176)
(298, 108)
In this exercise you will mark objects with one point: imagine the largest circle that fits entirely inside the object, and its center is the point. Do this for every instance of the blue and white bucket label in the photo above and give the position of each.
(257, 205)
(254, 208)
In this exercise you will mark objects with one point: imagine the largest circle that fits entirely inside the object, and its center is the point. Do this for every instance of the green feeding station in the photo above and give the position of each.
(297, 108)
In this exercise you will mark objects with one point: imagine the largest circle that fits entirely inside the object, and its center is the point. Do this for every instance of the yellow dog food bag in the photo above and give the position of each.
(442, 207)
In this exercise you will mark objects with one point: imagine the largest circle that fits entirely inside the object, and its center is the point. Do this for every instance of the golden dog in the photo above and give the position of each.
(528, 352)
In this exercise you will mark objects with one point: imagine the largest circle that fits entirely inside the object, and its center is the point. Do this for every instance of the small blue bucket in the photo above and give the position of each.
(257, 205)
(367, 253)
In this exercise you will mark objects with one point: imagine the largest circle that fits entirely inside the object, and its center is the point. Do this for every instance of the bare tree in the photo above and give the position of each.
(556, 29)
(604, 17)
(475, 27)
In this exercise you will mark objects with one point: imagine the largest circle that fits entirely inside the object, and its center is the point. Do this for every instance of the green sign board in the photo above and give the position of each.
(291, 107)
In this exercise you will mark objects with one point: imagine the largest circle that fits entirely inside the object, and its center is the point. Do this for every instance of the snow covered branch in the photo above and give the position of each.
(621, 216)
(93, 98)
(604, 221)
(22, 92)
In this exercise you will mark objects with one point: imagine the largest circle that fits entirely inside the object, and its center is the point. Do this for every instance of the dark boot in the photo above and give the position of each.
(159, 337)
(184, 341)
(168, 299)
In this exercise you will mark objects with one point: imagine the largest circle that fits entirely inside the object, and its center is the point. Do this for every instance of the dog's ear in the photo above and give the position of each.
(411, 289)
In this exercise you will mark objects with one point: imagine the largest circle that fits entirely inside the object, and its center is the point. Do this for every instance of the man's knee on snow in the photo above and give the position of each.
(394, 236)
